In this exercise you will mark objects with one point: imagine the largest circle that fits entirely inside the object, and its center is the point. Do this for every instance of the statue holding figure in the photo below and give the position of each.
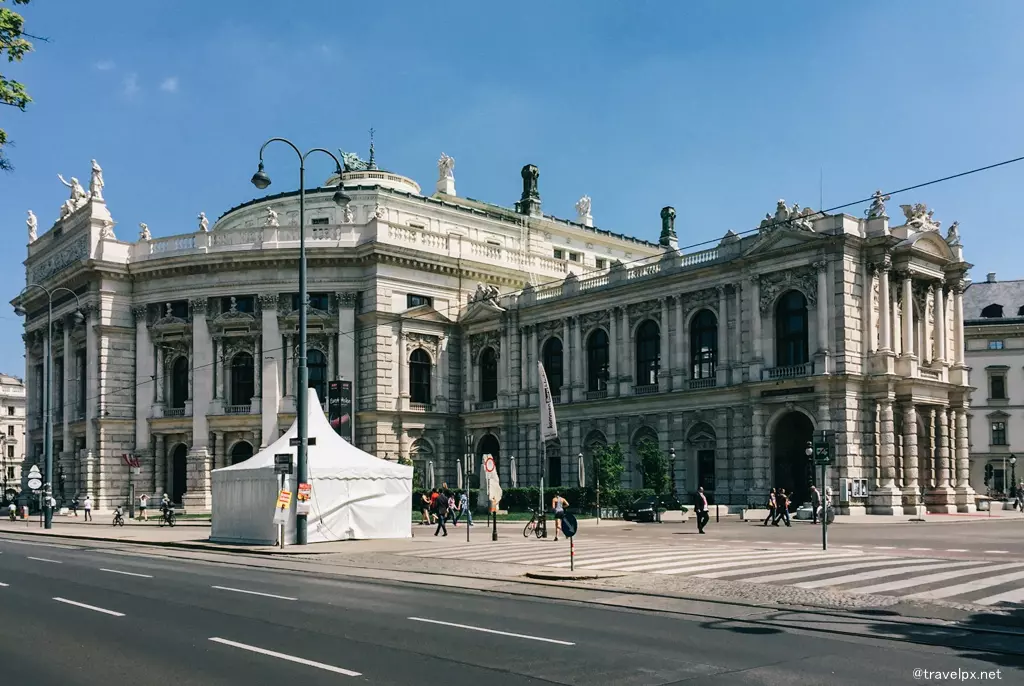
(445, 167)
(77, 199)
(583, 206)
(348, 217)
(33, 224)
(204, 223)
(96, 182)
(877, 208)
(144, 234)
(271, 219)
(953, 235)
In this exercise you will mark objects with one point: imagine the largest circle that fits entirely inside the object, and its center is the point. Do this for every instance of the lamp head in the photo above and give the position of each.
(808, 451)
(20, 311)
(260, 178)
(78, 317)
(340, 199)
(1013, 459)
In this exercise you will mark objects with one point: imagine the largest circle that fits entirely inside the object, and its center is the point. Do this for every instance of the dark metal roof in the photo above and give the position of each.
(1008, 294)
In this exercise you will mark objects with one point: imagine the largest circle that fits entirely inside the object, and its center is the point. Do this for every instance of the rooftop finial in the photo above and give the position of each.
(371, 163)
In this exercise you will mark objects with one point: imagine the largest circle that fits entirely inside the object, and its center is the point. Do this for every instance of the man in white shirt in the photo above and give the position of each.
(88, 508)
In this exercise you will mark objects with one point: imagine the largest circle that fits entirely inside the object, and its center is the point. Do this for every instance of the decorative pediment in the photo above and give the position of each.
(232, 345)
(169, 322)
(782, 238)
(928, 242)
(481, 310)
(803, 279)
(426, 313)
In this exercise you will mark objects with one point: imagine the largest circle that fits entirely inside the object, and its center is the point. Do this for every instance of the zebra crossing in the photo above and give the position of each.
(990, 582)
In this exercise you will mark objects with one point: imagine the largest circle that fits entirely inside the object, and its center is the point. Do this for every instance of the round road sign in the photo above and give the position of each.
(569, 525)
(35, 484)
(489, 464)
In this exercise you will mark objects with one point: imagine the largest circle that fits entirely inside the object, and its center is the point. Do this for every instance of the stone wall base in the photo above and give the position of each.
(198, 494)
(886, 501)
(940, 500)
(965, 499)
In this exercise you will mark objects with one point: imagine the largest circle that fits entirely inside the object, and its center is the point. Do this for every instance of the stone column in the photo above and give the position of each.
(160, 468)
(92, 381)
(759, 458)
(910, 462)
(613, 351)
(504, 366)
(198, 490)
(69, 387)
(402, 393)
(941, 498)
(940, 324)
(884, 308)
(143, 372)
(958, 323)
(579, 385)
(440, 373)
(664, 356)
(467, 375)
(887, 499)
(566, 389)
(160, 374)
(722, 363)
(737, 356)
(678, 356)
(625, 355)
(822, 305)
(929, 427)
(270, 388)
(927, 341)
(965, 494)
(755, 317)
(348, 353)
(943, 435)
(524, 364)
(894, 323)
(908, 315)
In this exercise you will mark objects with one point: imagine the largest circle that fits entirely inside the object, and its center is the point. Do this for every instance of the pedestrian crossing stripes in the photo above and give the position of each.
(847, 569)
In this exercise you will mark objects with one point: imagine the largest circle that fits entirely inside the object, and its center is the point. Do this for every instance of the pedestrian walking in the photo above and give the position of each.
(88, 507)
(815, 502)
(771, 508)
(464, 509)
(781, 508)
(143, 504)
(452, 511)
(425, 509)
(74, 505)
(441, 511)
(558, 504)
(701, 506)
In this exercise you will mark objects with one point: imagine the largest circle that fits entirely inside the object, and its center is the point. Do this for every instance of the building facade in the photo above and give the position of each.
(439, 309)
(994, 333)
(12, 436)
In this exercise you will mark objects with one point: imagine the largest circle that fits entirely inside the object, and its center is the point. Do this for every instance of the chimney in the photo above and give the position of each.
(990, 277)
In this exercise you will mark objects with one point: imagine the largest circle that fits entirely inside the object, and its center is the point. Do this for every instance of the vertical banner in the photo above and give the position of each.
(548, 424)
(339, 408)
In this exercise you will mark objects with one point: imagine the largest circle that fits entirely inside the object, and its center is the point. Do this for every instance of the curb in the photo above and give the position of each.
(571, 576)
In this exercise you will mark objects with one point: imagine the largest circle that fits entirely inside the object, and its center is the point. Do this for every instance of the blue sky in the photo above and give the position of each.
(716, 108)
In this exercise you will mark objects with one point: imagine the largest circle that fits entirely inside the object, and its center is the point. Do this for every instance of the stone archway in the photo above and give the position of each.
(791, 468)
(240, 452)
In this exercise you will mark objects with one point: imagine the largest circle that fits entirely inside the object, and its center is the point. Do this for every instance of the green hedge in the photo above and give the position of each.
(522, 499)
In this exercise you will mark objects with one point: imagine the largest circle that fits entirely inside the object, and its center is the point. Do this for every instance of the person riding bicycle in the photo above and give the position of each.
(118, 516)
(166, 507)
(12, 510)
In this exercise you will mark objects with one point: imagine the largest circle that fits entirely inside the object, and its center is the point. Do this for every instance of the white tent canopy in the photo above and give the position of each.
(354, 495)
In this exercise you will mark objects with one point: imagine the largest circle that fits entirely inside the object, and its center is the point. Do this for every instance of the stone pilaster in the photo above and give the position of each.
(676, 347)
(887, 499)
(911, 488)
(965, 495)
(664, 361)
(613, 352)
(579, 385)
(941, 498)
(144, 373)
(722, 344)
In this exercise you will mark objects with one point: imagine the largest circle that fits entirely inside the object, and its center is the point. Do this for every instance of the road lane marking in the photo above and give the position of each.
(43, 559)
(89, 607)
(242, 590)
(970, 586)
(885, 547)
(956, 550)
(851, 546)
(289, 658)
(918, 548)
(117, 571)
(492, 631)
(997, 552)
(3, 585)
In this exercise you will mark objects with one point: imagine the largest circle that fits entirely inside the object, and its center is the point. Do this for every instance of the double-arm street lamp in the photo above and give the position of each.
(48, 388)
(261, 180)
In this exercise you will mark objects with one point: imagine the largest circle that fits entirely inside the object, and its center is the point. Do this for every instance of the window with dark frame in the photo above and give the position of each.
(419, 377)
(415, 300)
(488, 375)
(243, 379)
(999, 433)
(648, 353)
(552, 359)
(704, 345)
(791, 330)
(997, 386)
(316, 364)
(597, 361)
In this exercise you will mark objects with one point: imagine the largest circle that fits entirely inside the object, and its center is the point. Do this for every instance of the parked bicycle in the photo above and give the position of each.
(118, 516)
(538, 525)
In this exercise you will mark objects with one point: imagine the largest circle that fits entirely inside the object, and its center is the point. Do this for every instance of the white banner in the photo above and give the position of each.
(548, 424)
(582, 471)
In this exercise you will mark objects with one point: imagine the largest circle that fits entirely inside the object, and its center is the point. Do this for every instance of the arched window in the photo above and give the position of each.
(597, 361)
(992, 312)
(179, 382)
(703, 345)
(240, 452)
(648, 353)
(488, 375)
(243, 379)
(552, 356)
(419, 377)
(791, 330)
(316, 362)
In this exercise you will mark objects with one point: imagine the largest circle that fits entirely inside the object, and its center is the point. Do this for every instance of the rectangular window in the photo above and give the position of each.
(559, 255)
(10, 430)
(995, 345)
(179, 309)
(10, 470)
(317, 301)
(241, 303)
(574, 257)
(320, 221)
(10, 453)
(999, 433)
(601, 263)
(997, 387)
(413, 300)
(10, 410)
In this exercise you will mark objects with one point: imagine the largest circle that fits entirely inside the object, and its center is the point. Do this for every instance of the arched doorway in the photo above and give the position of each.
(179, 473)
(240, 452)
(489, 445)
(791, 467)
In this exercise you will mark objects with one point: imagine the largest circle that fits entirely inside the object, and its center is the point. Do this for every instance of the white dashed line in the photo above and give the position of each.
(116, 571)
(89, 607)
(242, 590)
(918, 548)
(956, 550)
(997, 552)
(885, 547)
(289, 658)
(43, 559)
(492, 631)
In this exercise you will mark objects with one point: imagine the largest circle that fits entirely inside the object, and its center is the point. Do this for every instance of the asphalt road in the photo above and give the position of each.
(76, 615)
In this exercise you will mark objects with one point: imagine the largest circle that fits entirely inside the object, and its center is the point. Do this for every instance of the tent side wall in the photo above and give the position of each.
(347, 509)
(243, 507)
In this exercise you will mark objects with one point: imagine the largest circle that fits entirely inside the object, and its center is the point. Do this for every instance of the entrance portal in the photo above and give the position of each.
(179, 476)
(791, 467)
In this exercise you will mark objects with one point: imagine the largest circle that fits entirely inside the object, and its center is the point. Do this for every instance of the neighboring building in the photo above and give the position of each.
(994, 333)
(439, 308)
(12, 436)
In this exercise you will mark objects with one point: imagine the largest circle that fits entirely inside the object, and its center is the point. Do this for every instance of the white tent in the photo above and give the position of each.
(354, 494)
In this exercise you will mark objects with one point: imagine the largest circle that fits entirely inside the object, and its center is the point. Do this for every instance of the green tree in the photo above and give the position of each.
(609, 463)
(14, 46)
(653, 466)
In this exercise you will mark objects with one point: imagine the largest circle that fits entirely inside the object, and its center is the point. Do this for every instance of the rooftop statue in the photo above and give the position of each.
(352, 162)
(445, 167)
(78, 196)
(877, 208)
(144, 234)
(583, 206)
(204, 223)
(96, 182)
(33, 224)
(271, 218)
(920, 217)
(953, 235)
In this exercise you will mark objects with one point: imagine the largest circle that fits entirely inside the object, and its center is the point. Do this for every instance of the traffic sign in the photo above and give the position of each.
(283, 463)
(569, 524)
(35, 484)
(489, 464)
(295, 442)
(822, 454)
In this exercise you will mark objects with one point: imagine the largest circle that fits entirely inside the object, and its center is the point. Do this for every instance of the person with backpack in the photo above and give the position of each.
(440, 501)
(771, 509)
(781, 508)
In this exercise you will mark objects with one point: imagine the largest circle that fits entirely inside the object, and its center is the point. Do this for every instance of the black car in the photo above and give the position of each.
(643, 508)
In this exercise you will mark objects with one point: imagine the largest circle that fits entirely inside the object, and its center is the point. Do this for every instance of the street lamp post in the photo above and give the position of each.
(261, 180)
(48, 389)
(1013, 477)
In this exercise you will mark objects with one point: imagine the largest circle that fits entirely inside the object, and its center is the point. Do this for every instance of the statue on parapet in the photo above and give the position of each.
(204, 223)
(144, 234)
(78, 196)
(96, 182)
(953, 235)
(33, 225)
(445, 167)
(271, 218)
(877, 209)
(920, 217)
(352, 162)
(583, 206)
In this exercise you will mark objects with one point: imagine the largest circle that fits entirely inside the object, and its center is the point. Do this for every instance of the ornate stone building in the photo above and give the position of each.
(438, 309)
(12, 436)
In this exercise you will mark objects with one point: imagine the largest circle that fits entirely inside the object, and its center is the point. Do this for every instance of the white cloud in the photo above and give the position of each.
(131, 84)
(170, 84)
(105, 65)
